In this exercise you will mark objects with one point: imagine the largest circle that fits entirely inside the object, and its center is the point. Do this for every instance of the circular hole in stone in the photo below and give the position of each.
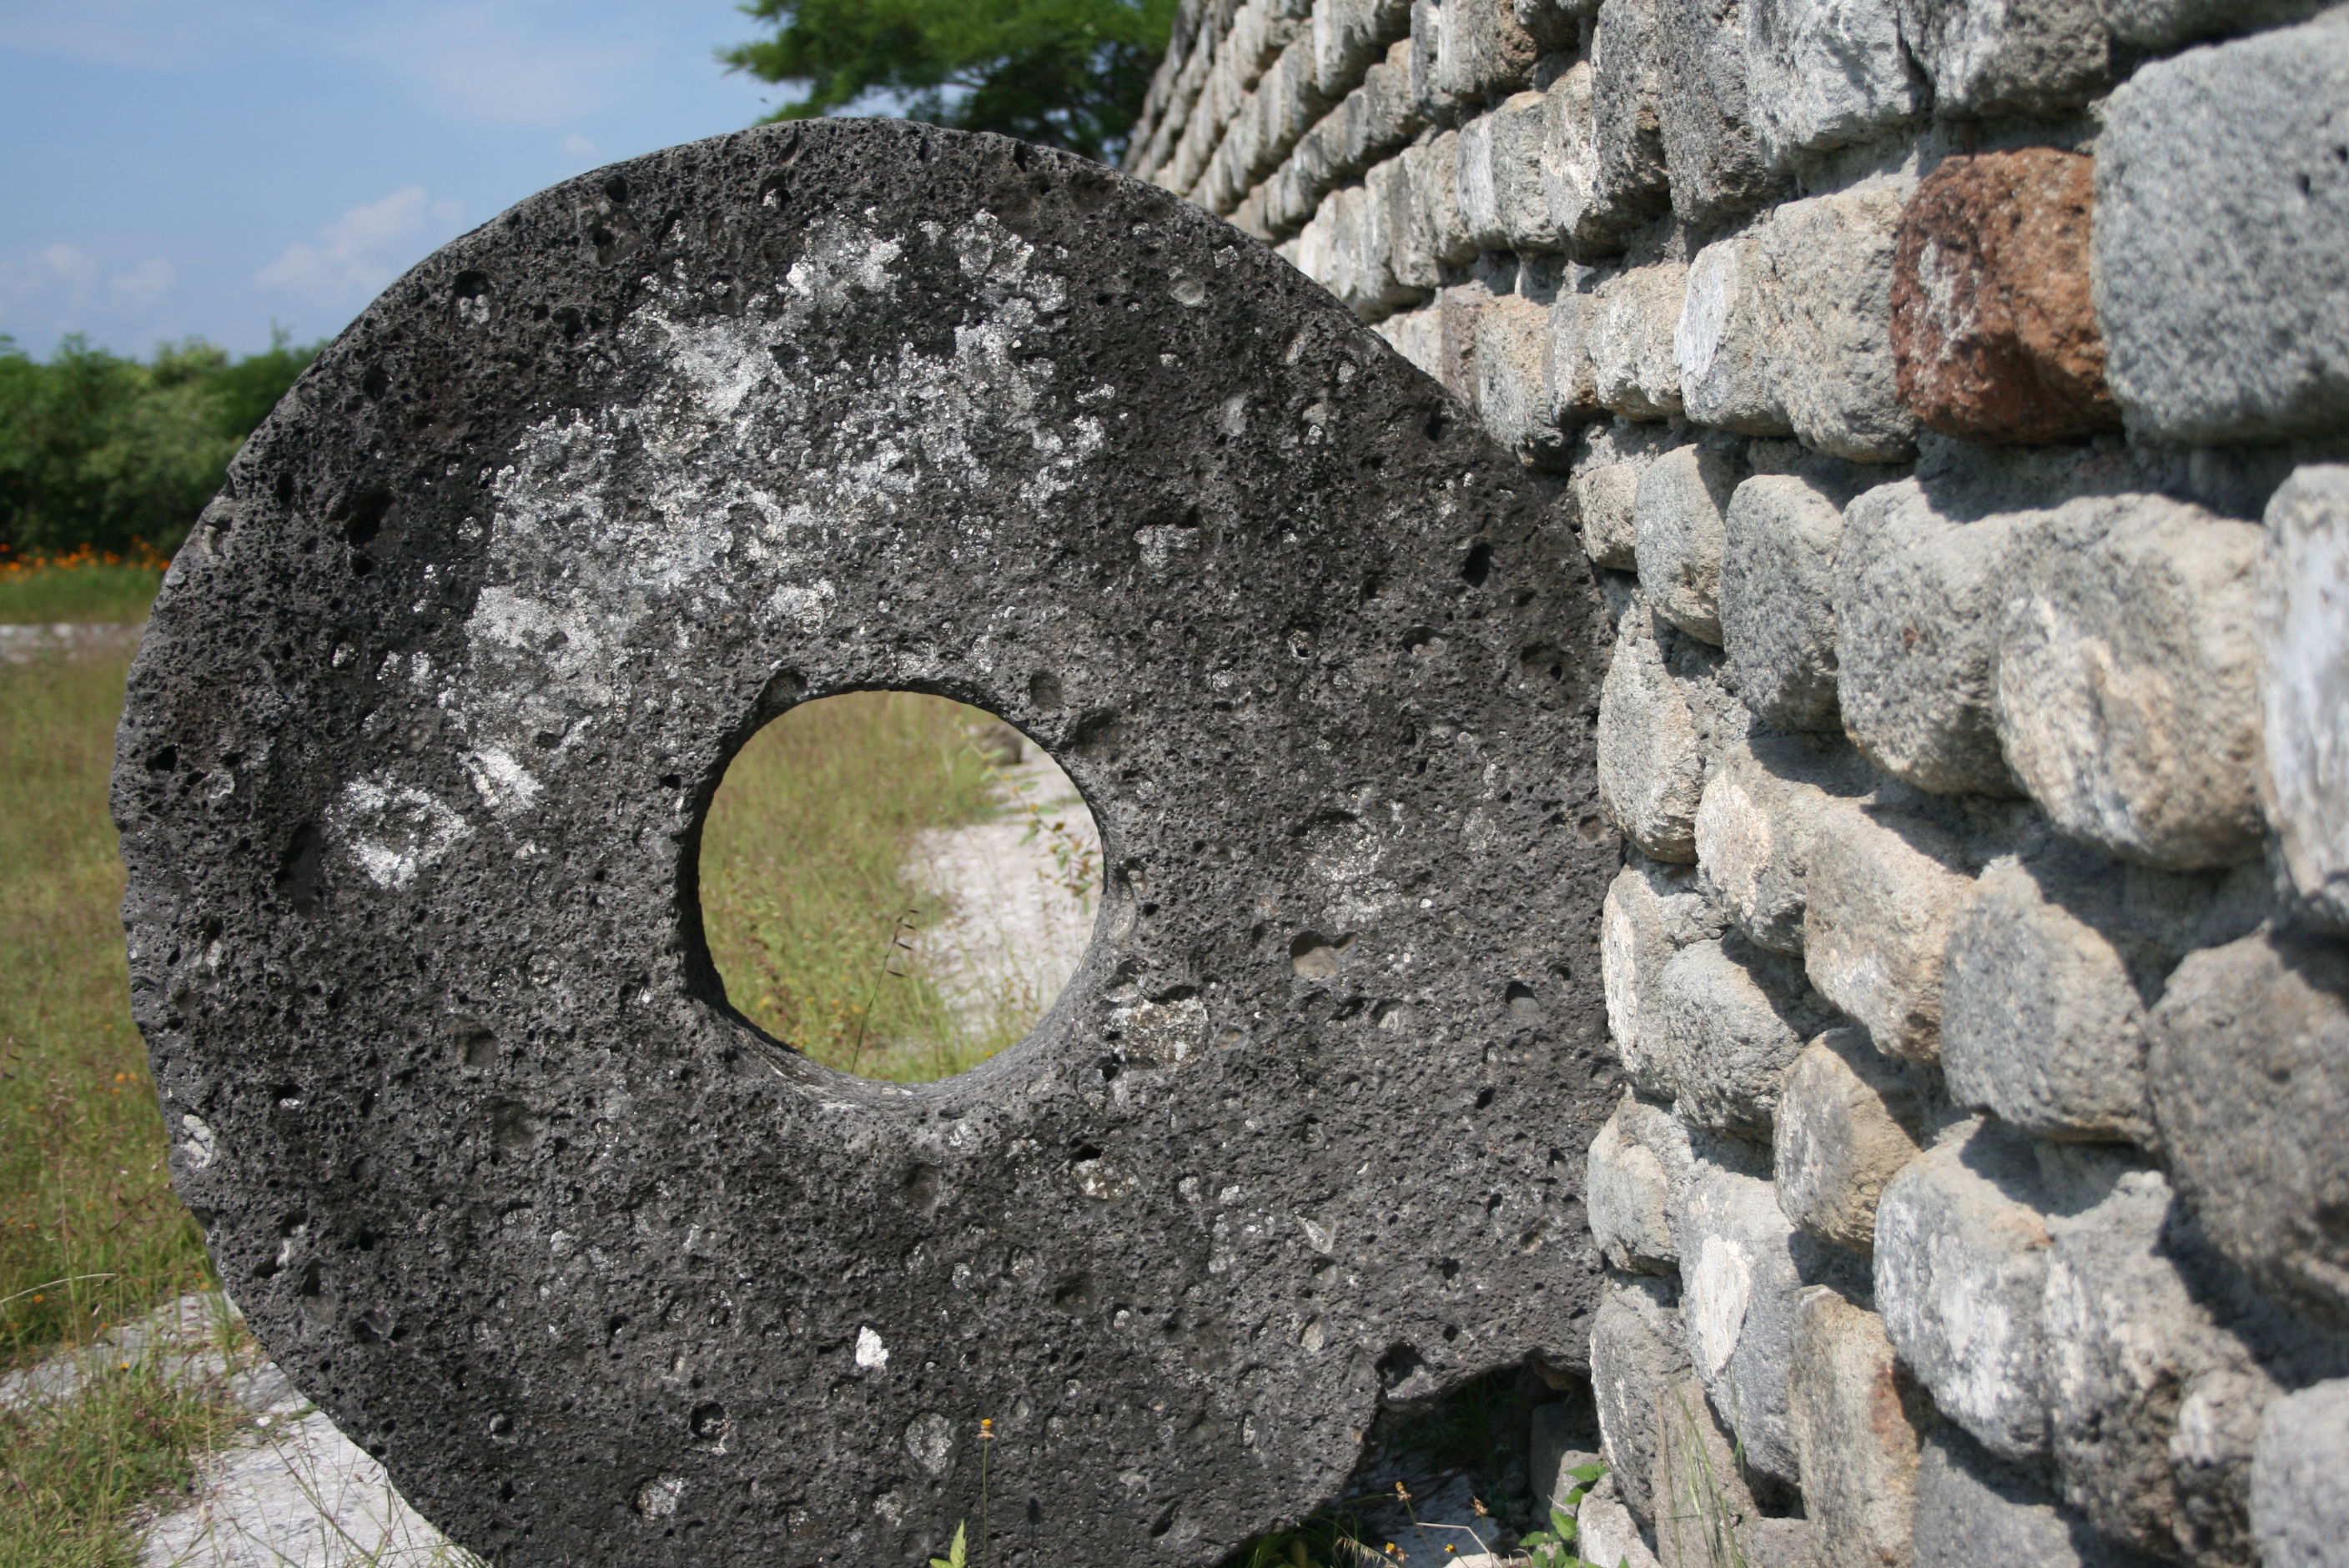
(895, 884)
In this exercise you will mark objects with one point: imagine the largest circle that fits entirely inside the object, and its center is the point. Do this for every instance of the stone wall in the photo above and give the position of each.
(1944, 391)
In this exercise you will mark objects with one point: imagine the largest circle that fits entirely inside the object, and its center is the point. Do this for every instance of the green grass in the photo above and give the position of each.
(805, 901)
(84, 586)
(72, 1471)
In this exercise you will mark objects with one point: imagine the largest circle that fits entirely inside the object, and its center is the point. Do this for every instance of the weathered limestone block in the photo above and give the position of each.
(2304, 627)
(1480, 198)
(1740, 1284)
(1994, 334)
(1608, 1532)
(1960, 1272)
(1701, 1503)
(1632, 183)
(1721, 341)
(1351, 36)
(2222, 239)
(1521, 174)
(1481, 53)
(1849, 1120)
(1441, 233)
(1917, 604)
(1573, 378)
(1989, 57)
(1631, 340)
(1676, 517)
(2153, 1408)
(1651, 910)
(1885, 891)
(1830, 260)
(1823, 76)
(1847, 1406)
(2163, 25)
(2041, 1016)
(1390, 213)
(1616, 455)
(2127, 690)
(2300, 1492)
(1553, 24)
(1972, 1511)
(2249, 1073)
(1735, 1015)
(1513, 395)
(607, 1277)
(1636, 1161)
(1753, 827)
(1658, 685)
(1710, 152)
(1589, 222)
(1779, 539)
(1637, 1352)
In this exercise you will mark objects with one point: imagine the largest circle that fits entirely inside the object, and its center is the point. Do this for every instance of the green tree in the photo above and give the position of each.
(98, 449)
(1067, 73)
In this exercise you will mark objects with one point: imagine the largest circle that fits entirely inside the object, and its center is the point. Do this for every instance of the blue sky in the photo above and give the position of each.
(174, 169)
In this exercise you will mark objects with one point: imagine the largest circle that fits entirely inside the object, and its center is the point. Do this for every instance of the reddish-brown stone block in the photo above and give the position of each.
(1994, 336)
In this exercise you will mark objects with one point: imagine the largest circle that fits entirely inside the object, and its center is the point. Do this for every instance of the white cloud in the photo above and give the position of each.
(364, 249)
(144, 286)
(75, 268)
(577, 146)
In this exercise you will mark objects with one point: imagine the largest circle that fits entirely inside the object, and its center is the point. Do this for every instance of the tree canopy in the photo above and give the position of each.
(103, 450)
(1067, 73)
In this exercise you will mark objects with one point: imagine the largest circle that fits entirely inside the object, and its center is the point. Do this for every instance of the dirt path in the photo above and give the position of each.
(1014, 929)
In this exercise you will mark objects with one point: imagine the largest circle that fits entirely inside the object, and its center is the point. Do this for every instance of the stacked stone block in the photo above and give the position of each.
(1952, 397)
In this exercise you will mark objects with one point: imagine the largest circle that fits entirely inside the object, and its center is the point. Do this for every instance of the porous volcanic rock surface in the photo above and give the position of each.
(435, 697)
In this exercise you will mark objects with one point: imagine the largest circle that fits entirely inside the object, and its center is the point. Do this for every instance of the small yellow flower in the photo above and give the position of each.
(1478, 1504)
(986, 1430)
(1401, 1492)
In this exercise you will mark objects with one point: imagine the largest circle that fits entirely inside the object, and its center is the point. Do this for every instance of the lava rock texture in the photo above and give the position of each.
(435, 698)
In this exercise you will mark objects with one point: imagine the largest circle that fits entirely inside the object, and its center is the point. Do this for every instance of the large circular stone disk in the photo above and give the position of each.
(411, 775)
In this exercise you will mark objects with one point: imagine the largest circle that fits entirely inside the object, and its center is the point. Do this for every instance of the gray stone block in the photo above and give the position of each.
(1590, 221)
(1721, 342)
(1661, 684)
(1677, 520)
(1521, 154)
(1848, 1409)
(1650, 912)
(1639, 1156)
(1762, 801)
(1849, 1120)
(1637, 1351)
(1830, 308)
(2153, 1408)
(1436, 180)
(1918, 598)
(1740, 1284)
(1960, 1272)
(2303, 630)
(1513, 395)
(1702, 1505)
(1480, 196)
(1616, 454)
(2250, 1074)
(1885, 891)
(1711, 153)
(2300, 1490)
(2126, 682)
(1351, 35)
(2042, 1018)
(2163, 25)
(1735, 1015)
(1631, 341)
(1573, 379)
(1631, 182)
(1972, 1511)
(1482, 56)
(1780, 535)
(1990, 58)
(1823, 75)
(2222, 246)
(1609, 1533)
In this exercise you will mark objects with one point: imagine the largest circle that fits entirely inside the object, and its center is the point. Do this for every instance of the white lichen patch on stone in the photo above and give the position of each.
(395, 832)
(870, 1354)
